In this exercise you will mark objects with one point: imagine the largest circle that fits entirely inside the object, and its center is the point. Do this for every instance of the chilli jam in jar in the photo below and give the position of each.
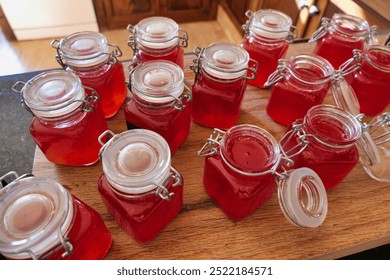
(298, 84)
(325, 142)
(267, 36)
(370, 71)
(157, 38)
(67, 120)
(338, 37)
(40, 219)
(160, 101)
(221, 73)
(243, 169)
(87, 55)
(139, 187)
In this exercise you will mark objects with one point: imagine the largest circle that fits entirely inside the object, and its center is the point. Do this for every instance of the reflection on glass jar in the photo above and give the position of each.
(324, 141)
(267, 36)
(298, 84)
(221, 74)
(88, 55)
(40, 219)
(338, 37)
(67, 120)
(158, 38)
(160, 102)
(139, 187)
(243, 168)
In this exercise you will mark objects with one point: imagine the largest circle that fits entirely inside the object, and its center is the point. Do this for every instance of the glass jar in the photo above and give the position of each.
(298, 84)
(267, 36)
(139, 187)
(88, 55)
(221, 74)
(158, 38)
(40, 219)
(324, 141)
(337, 37)
(243, 168)
(371, 78)
(67, 120)
(160, 101)
(374, 148)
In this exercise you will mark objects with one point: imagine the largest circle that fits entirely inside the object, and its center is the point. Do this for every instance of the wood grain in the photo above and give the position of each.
(358, 218)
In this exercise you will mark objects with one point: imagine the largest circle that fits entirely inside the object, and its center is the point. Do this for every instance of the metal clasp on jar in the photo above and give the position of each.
(112, 56)
(161, 190)
(196, 66)
(86, 104)
(133, 43)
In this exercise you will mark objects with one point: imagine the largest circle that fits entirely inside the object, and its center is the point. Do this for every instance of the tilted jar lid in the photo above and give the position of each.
(225, 60)
(53, 93)
(270, 24)
(350, 25)
(302, 198)
(84, 49)
(136, 161)
(157, 32)
(34, 213)
(157, 81)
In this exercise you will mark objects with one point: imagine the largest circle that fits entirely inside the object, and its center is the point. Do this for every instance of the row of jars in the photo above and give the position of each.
(150, 179)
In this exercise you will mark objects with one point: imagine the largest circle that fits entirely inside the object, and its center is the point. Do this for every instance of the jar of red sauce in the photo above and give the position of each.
(324, 141)
(267, 37)
(337, 37)
(160, 101)
(221, 74)
(67, 119)
(158, 38)
(88, 55)
(243, 168)
(374, 147)
(139, 187)
(40, 219)
(370, 71)
(298, 84)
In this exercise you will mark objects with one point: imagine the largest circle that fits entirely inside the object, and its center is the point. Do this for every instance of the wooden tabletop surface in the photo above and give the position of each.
(358, 216)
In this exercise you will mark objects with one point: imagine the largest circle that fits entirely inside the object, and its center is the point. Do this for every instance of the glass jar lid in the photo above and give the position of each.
(378, 57)
(157, 81)
(53, 93)
(84, 49)
(270, 24)
(350, 25)
(157, 32)
(136, 161)
(302, 198)
(34, 213)
(225, 60)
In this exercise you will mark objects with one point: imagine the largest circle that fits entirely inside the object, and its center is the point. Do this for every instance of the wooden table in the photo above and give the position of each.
(358, 217)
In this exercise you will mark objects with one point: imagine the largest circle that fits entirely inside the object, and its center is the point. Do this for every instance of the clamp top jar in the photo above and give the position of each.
(267, 36)
(244, 166)
(158, 38)
(338, 37)
(88, 55)
(41, 220)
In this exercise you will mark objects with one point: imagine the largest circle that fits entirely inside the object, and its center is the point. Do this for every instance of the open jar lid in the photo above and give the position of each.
(270, 24)
(157, 32)
(225, 60)
(157, 81)
(53, 93)
(84, 49)
(34, 213)
(302, 198)
(136, 161)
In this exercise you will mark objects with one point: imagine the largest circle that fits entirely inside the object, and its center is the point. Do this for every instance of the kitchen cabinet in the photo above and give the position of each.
(117, 14)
